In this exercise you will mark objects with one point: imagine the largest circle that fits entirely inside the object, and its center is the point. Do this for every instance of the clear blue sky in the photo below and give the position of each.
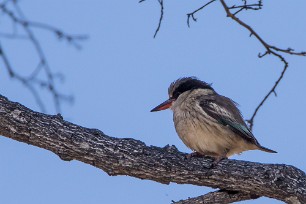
(122, 73)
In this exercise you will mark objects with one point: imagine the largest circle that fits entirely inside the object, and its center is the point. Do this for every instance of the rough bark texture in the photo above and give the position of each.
(219, 197)
(133, 158)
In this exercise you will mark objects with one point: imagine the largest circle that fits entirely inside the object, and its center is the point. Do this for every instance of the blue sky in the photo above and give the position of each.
(122, 73)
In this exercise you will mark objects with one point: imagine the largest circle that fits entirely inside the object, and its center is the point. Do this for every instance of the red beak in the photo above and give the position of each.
(163, 106)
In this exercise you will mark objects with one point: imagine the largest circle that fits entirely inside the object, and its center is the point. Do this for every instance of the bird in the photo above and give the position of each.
(208, 123)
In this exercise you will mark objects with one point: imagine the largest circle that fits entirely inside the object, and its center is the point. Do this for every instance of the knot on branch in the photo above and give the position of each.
(170, 148)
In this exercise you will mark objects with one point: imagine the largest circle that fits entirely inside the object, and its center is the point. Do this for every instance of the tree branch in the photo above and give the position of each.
(272, 90)
(23, 80)
(191, 15)
(133, 158)
(219, 197)
(161, 4)
(246, 6)
(16, 16)
(270, 50)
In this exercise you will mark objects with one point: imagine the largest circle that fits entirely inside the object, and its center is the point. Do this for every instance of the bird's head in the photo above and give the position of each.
(180, 86)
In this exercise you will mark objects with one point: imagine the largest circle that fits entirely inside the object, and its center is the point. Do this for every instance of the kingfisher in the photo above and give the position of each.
(208, 123)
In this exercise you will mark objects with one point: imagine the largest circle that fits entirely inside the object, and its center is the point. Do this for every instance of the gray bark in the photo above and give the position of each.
(219, 197)
(164, 165)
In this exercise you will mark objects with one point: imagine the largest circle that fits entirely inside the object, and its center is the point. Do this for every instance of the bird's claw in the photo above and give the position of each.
(217, 160)
(193, 154)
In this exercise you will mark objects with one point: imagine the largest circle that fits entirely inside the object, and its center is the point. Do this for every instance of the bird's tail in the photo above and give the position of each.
(265, 149)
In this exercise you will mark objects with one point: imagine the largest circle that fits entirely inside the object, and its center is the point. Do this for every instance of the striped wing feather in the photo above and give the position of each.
(225, 111)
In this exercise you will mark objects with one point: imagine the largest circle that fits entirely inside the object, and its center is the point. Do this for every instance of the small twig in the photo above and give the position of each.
(273, 90)
(13, 36)
(161, 3)
(25, 82)
(247, 6)
(269, 50)
(73, 39)
(195, 11)
(18, 19)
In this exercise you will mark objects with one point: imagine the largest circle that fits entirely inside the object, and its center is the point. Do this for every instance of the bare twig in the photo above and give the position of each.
(23, 80)
(270, 49)
(161, 3)
(247, 6)
(13, 36)
(273, 90)
(73, 39)
(18, 19)
(195, 11)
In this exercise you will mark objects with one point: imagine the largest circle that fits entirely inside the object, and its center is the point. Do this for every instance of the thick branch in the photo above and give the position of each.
(218, 197)
(133, 158)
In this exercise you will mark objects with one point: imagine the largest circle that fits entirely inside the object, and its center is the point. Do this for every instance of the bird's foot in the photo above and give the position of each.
(193, 154)
(217, 160)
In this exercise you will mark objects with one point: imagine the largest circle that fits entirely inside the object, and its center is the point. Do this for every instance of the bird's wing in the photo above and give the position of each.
(225, 112)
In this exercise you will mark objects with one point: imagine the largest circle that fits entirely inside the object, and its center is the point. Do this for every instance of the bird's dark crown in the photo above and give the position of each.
(186, 84)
